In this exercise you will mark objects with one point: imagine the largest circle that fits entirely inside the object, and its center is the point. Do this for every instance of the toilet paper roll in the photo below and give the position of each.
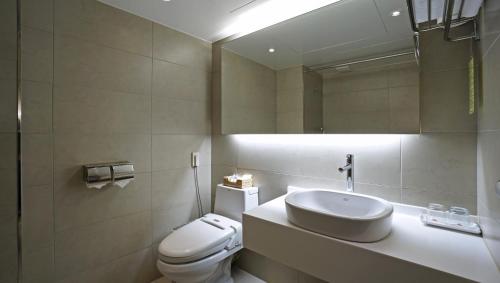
(123, 183)
(97, 185)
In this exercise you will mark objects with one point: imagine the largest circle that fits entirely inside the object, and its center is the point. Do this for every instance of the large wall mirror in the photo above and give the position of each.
(320, 73)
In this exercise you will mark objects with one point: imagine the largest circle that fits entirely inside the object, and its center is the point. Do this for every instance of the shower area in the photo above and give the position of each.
(10, 256)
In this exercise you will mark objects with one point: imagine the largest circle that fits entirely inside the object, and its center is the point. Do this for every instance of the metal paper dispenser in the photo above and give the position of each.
(123, 173)
(101, 174)
(97, 175)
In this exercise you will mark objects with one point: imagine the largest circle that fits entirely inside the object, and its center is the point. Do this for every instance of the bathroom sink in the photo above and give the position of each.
(346, 216)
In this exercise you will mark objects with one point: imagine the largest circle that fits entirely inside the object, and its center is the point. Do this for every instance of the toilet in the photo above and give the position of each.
(202, 250)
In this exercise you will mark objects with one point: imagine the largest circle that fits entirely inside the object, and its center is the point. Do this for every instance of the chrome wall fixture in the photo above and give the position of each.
(101, 174)
(448, 23)
(366, 60)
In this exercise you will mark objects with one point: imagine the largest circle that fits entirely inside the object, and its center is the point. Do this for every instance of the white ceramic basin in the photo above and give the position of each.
(346, 216)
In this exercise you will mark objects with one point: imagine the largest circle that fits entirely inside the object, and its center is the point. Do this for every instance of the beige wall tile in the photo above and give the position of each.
(174, 198)
(8, 262)
(8, 212)
(8, 149)
(38, 266)
(290, 101)
(180, 48)
(491, 228)
(366, 101)
(91, 246)
(38, 219)
(37, 55)
(488, 115)
(102, 108)
(8, 69)
(8, 29)
(445, 102)
(97, 22)
(136, 267)
(217, 175)
(71, 151)
(38, 14)
(37, 160)
(388, 193)
(249, 121)
(36, 107)
(77, 206)
(488, 164)
(8, 106)
(178, 81)
(8, 202)
(86, 64)
(88, 110)
(439, 166)
(248, 96)
(404, 107)
(224, 150)
(409, 76)
(438, 55)
(290, 79)
(180, 116)
(290, 122)
(174, 151)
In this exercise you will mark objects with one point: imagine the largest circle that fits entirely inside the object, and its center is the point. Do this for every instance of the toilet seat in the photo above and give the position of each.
(199, 239)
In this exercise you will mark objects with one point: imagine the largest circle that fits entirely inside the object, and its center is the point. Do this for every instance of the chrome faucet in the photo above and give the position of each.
(349, 167)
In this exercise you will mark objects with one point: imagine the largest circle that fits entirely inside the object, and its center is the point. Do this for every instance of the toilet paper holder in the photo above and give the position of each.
(99, 175)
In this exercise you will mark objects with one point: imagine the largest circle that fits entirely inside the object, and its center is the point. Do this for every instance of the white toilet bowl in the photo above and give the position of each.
(200, 251)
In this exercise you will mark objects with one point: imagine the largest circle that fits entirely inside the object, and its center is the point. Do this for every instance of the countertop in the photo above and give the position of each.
(459, 254)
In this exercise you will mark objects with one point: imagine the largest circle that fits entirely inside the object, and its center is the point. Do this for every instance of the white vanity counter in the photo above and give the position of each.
(412, 252)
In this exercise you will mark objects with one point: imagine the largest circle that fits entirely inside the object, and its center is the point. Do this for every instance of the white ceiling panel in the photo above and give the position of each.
(203, 19)
(345, 30)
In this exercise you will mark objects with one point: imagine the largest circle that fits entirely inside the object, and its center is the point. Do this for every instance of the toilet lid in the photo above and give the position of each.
(198, 239)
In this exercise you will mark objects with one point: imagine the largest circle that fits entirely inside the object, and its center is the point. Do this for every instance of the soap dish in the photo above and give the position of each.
(457, 218)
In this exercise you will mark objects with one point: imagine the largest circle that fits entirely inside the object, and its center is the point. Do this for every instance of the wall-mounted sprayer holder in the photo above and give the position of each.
(101, 174)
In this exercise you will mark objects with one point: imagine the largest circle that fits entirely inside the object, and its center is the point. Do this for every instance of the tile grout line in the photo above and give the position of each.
(151, 137)
(401, 169)
(53, 141)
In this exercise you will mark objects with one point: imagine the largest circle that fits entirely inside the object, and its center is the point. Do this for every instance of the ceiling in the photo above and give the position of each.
(203, 19)
(345, 30)
(212, 20)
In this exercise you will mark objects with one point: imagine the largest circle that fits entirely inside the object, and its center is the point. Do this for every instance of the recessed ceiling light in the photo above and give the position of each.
(271, 50)
(166, 0)
(396, 13)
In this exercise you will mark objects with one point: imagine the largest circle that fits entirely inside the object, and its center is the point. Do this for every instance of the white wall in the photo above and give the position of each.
(100, 85)
(488, 148)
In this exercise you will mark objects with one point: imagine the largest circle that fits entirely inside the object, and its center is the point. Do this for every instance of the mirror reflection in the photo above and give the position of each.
(316, 74)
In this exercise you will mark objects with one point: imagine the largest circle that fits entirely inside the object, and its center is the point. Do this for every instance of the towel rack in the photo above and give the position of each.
(448, 21)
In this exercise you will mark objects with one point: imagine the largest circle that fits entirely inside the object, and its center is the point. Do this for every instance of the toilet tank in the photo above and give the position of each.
(232, 202)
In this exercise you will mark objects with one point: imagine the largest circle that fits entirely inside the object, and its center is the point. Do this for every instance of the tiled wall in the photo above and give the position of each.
(248, 96)
(101, 85)
(488, 153)
(385, 100)
(313, 102)
(438, 165)
(290, 100)
(8, 144)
